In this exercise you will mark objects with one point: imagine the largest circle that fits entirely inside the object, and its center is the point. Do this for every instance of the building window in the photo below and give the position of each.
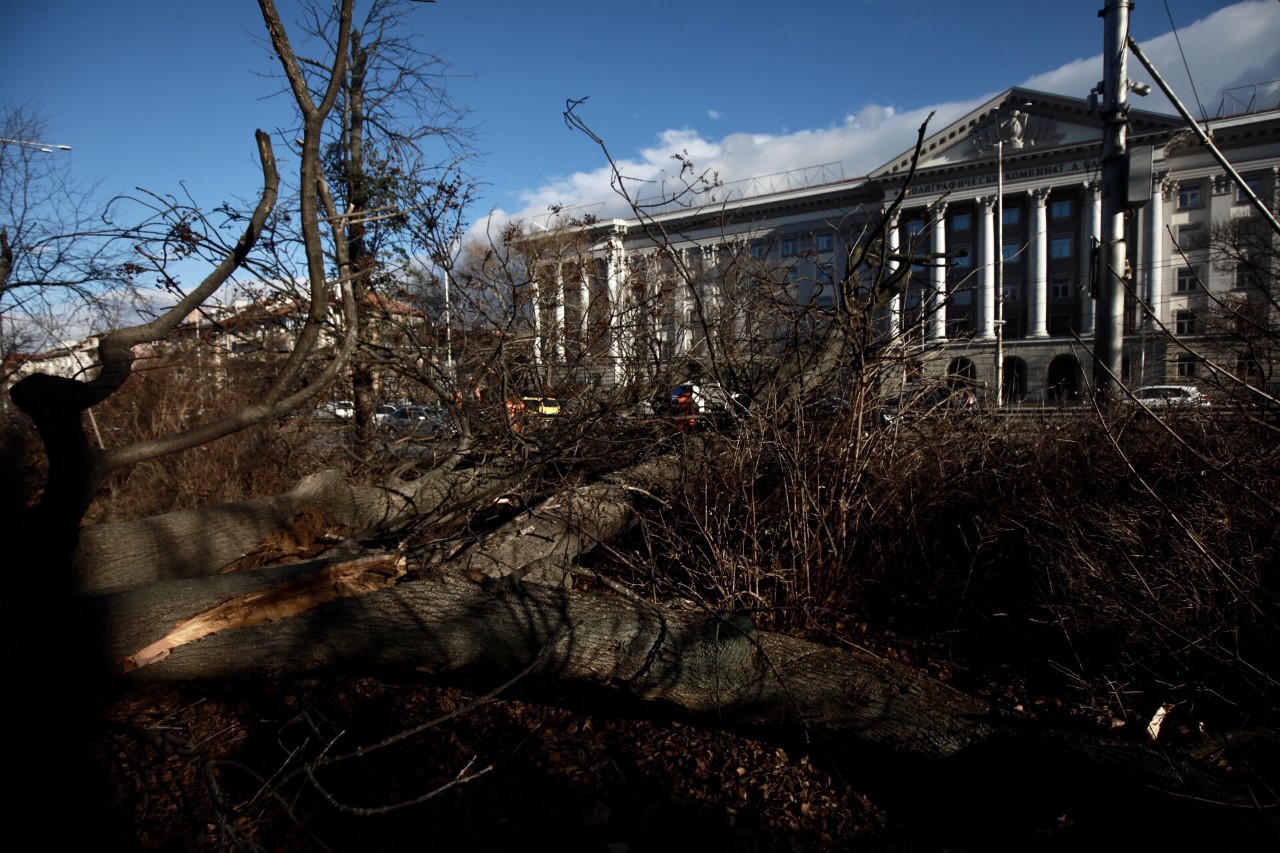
(1248, 371)
(1189, 197)
(960, 222)
(1189, 237)
(1060, 248)
(759, 250)
(962, 261)
(789, 247)
(1188, 279)
(1012, 290)
(1011, 216)
(825, 241)
(1254, 183)
(1060, 209)
(1184, 322)
(1186, 365)
(915, 227)
(1060, 287)
(962, 297)
(1248, 277)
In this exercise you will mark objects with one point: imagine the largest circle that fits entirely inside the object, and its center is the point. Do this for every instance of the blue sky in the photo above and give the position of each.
(166, 93)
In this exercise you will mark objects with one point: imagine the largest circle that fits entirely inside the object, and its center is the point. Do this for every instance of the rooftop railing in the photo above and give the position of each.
(1253, 98)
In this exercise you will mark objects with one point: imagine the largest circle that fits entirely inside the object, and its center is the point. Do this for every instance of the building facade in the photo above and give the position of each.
(1009, 196)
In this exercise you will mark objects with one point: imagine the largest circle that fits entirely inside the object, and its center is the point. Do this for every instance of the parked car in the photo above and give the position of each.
(927, 402)
(383, 414)
(546, 406)
(705, 399)
(1169, 397)
(344, 409)
(422, 421)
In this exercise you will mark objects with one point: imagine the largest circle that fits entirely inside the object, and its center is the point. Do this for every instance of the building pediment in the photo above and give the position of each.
(1025, 121)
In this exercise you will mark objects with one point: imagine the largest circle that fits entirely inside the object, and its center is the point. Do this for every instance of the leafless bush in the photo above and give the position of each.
(266, 459)
(1162, 575)
(1104, 552)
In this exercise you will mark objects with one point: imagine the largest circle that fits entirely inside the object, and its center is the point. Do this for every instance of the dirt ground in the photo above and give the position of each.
(344, 764)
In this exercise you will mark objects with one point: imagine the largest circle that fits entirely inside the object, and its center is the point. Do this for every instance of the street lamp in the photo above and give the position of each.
(448, 327)
(999, 295)
(45, 147)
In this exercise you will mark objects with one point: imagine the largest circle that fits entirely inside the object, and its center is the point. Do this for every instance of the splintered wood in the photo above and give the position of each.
(354, 577)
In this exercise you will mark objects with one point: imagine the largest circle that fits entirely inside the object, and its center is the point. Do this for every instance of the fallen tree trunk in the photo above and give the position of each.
(198, 542)
(447, 624)
(473, 614)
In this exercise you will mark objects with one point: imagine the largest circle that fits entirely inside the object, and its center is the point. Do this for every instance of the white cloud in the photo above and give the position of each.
(1235, 46)
(714, 115)
(1231, 47)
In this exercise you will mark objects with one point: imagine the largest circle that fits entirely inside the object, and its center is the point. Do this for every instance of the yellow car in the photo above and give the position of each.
(546, 406)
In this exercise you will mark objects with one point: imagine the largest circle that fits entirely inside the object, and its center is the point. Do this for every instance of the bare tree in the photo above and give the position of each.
(394, 151)
(1245, 326)
(56, 259)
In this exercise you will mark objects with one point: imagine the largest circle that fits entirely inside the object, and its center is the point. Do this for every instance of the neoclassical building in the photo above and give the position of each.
(1009, 195)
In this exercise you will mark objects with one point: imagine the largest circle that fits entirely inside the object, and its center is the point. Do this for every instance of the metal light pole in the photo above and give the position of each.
(448, 328)
(1108, 336)
(999, 295)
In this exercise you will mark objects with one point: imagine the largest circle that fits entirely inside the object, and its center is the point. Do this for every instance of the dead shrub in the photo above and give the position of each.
(1104, 552)
(265, 459)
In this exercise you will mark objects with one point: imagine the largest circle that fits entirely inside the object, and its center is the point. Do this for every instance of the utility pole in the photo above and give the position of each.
(1108, 335)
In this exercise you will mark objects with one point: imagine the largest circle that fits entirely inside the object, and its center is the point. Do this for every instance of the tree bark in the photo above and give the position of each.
(447, 624)
(198, 542)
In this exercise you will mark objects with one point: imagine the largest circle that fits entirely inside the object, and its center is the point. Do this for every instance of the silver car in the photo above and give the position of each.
(1169, 397)
(422, 421)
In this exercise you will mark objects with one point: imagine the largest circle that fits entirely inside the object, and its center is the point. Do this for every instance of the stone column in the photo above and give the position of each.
(1093, 236)
(686, 277)
(893, 237)
(987, 268)
(584, 300)
(615, 279)
(937, 320)
(1038, 271)
(535, 304)
(711, 269)
(556, 332)
(1153, 292)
